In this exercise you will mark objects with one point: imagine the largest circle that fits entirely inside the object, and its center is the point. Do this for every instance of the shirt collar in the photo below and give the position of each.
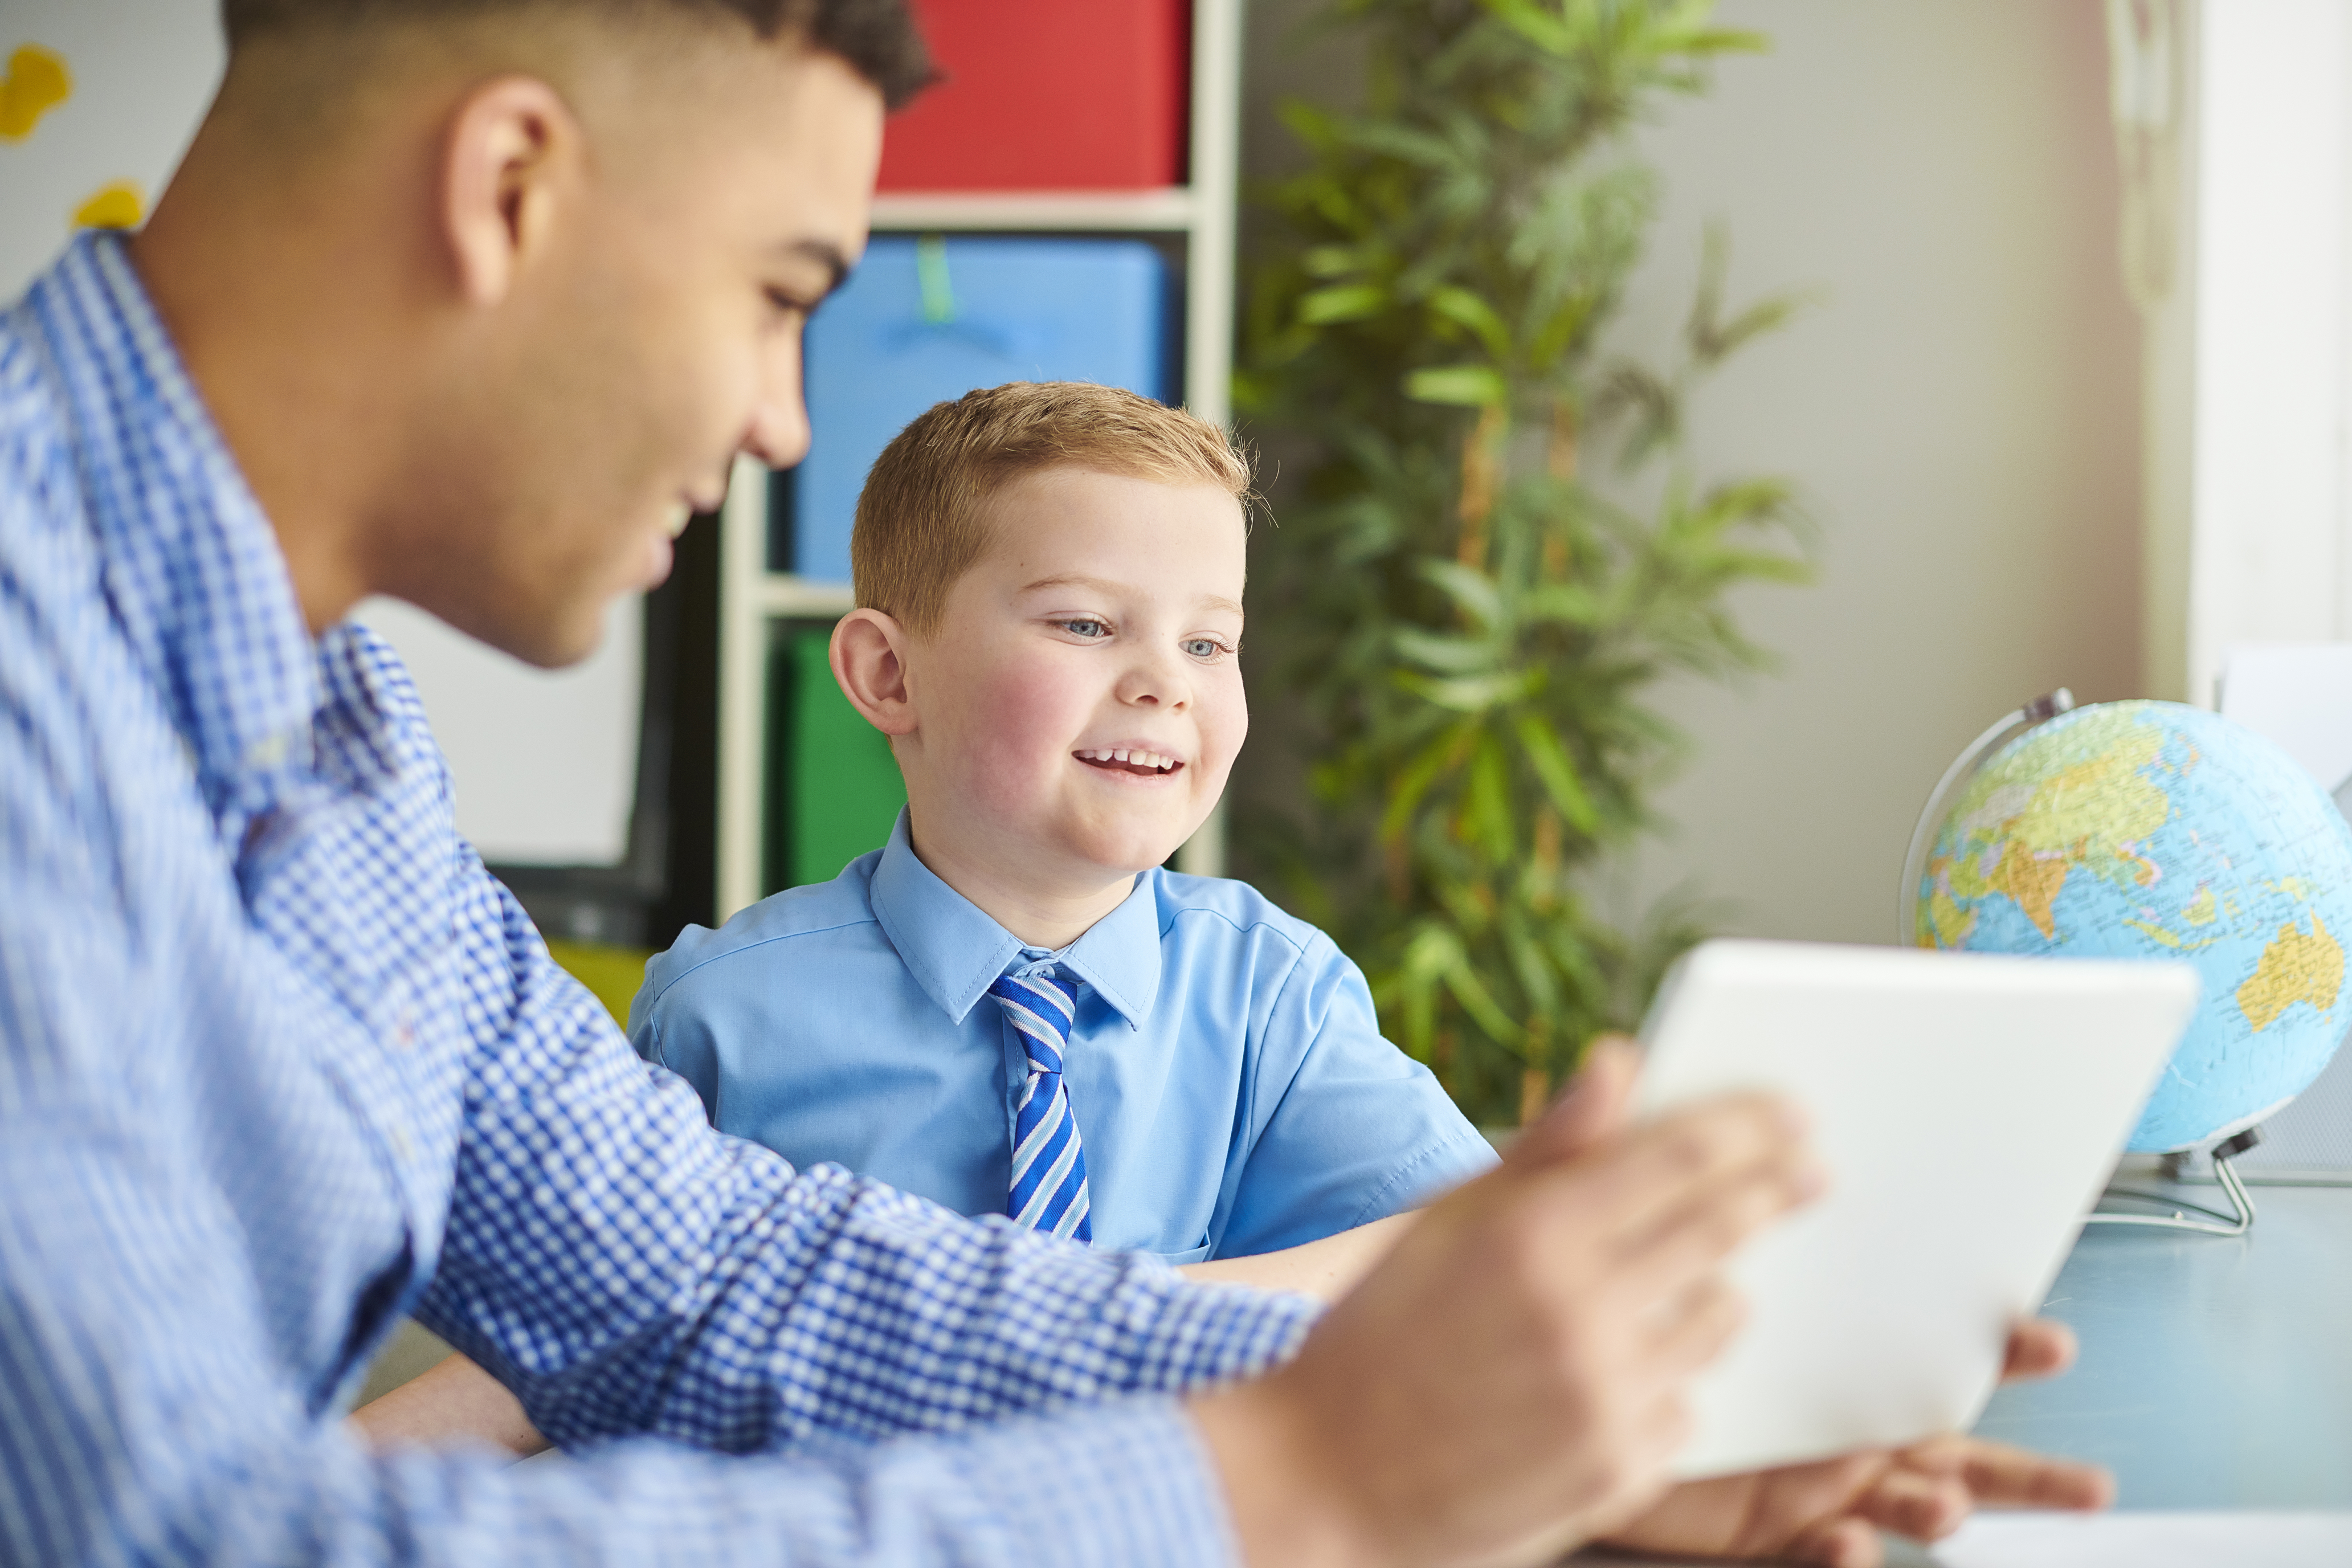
(955, 949)
(191, 563)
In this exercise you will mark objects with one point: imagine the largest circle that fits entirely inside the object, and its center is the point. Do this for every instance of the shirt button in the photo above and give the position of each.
(266, 752)
(405, 1031)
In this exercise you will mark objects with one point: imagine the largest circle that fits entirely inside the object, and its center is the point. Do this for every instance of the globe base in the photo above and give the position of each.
(2213, 1221)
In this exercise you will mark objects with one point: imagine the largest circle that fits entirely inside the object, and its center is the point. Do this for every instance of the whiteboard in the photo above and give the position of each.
(545, 761)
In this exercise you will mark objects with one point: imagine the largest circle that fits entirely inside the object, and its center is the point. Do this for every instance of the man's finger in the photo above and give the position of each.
(1693, 1328)
(2038, 1347)
(1838, 1543)
(1693, 1238)
(1997, 1473)
(1916, 1503)
(1655, 1171)
(1593, 1108)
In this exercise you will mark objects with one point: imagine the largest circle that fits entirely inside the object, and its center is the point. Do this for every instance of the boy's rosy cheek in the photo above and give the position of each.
(1039, 700)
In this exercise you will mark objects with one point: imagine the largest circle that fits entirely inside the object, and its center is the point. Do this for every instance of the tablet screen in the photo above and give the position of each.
(1969, 1109)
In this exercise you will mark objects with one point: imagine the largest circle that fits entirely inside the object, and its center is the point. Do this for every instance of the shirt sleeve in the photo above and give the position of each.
(632, 1269)
(1352, 1130)
(627, 1269)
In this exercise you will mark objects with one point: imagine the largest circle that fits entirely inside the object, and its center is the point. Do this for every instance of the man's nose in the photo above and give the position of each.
(779, 431)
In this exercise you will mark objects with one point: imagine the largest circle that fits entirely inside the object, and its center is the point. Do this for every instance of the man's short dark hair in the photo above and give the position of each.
(875, 38)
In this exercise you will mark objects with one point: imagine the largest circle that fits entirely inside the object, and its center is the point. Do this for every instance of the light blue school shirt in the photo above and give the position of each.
(1230, 1086)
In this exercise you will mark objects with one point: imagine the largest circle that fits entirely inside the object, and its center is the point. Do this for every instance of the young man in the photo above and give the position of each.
(469, 300)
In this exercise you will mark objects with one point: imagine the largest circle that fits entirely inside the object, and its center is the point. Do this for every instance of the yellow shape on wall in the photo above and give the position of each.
(115, 205)
(37, 82)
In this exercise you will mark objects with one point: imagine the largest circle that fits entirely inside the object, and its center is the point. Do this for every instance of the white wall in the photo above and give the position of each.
(2249, 402)
(141, 72)
(1961, 408)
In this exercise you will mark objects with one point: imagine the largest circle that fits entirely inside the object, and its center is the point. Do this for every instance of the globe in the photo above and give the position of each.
(2153, 830)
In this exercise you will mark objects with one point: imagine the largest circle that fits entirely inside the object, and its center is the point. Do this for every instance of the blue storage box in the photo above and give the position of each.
(923, 320)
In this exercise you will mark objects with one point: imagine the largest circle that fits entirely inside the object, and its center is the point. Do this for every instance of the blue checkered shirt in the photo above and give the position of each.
(279, 1062)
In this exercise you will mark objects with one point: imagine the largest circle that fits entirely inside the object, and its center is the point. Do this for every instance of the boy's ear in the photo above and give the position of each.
(869, 661)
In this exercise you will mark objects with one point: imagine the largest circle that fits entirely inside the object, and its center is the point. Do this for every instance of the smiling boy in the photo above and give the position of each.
(1049, 625)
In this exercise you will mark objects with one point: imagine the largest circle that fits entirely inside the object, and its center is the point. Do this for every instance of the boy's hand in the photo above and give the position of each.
(1508, 1382)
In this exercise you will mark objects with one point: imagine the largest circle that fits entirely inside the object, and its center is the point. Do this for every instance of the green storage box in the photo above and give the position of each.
(833, 787)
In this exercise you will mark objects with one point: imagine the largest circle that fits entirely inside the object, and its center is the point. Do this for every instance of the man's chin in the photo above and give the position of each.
(660, 556)
(561, 638)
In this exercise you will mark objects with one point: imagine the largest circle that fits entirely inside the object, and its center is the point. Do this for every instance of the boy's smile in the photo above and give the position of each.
(1139, 761)
(1073, 716)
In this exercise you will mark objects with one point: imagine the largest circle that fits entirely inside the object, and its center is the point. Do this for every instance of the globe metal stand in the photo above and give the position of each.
(2184, 1215)
(2214, 1222)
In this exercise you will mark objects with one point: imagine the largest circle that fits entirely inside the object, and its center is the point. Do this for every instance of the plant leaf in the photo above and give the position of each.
(1458, 305)
(1341, 303)
(1461, 385)
(1473, 592)
(1557, 771)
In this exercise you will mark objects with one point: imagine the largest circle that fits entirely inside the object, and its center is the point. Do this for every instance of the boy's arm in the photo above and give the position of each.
(454, 1402)
(1345, 1130)
(1324, 1268)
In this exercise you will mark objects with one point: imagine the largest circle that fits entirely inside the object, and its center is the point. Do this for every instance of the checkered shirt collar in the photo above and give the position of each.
(195, 577)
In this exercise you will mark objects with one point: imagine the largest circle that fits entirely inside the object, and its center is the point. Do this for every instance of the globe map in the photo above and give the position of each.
(2153, 830)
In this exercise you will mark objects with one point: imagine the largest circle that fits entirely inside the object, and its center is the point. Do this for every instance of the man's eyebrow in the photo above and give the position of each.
(1105, 585)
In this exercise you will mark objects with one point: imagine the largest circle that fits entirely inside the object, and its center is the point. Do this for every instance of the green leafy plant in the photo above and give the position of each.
(1468, 622)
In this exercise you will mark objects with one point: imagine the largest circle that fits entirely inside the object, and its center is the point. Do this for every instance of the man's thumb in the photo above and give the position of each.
(1592, 1109)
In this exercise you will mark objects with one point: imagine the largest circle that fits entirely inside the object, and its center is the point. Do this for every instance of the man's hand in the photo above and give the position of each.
(1509, 1380)
(1831, 1513)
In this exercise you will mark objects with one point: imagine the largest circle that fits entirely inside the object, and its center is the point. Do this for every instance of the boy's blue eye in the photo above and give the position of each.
(1202, 647)
(1087, 628)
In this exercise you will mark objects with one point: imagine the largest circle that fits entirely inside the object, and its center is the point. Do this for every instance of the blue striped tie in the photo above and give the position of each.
(1049, 1169)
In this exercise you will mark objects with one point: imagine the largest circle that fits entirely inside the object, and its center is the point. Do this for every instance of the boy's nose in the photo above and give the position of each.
(1155, 686)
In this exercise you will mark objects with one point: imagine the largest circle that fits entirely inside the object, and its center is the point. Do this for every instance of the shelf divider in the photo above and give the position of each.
(1172, 210)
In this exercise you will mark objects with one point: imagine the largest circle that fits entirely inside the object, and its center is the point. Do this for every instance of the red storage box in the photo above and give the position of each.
(1046, 95)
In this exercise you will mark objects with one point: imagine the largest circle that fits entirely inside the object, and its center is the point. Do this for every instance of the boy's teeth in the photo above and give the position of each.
(1130, 756)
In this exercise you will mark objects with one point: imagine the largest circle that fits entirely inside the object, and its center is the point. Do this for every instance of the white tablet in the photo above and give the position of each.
(1969, 1109)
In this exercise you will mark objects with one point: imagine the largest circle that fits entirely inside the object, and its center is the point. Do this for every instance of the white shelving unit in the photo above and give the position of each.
(752, 598)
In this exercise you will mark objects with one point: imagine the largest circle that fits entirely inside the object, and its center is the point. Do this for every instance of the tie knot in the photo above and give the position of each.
(1038, 1006)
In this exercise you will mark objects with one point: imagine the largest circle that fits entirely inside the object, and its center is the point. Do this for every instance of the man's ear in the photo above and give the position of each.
(869, 661)
(514, 147)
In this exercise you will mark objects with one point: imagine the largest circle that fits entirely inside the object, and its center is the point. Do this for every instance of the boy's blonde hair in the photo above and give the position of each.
(921, 518)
